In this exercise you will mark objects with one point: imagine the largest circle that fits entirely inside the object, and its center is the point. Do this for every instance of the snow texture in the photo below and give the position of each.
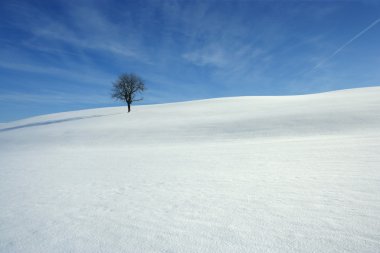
(242, 174)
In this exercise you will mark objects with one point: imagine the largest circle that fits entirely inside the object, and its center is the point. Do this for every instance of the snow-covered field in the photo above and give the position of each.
(244, 174)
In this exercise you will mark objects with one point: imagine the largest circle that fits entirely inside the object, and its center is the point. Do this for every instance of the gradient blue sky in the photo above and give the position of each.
(64, 55)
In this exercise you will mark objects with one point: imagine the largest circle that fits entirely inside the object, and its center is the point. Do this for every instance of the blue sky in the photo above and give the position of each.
(64, 55)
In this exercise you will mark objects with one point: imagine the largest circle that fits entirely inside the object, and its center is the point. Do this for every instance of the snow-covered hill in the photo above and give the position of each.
(242, 174)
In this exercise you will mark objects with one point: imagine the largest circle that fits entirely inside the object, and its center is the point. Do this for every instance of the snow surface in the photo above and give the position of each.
(243, 174)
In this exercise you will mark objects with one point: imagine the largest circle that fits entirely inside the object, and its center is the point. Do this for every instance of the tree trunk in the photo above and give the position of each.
(129, 107)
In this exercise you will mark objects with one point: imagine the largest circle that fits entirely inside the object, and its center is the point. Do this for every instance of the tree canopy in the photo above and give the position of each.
(126, 87)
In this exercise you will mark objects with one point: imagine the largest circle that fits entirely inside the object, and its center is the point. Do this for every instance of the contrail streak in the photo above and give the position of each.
(347, 43)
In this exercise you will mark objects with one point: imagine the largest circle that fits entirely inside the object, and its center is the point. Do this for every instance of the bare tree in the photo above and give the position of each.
(127, 87)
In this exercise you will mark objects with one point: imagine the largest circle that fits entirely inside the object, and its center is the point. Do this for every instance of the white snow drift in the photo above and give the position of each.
(244, 174)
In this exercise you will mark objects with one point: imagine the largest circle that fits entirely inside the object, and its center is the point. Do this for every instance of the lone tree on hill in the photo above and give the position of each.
(126, 87)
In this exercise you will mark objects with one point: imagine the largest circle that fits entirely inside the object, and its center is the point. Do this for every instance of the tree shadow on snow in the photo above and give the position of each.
(49, 122)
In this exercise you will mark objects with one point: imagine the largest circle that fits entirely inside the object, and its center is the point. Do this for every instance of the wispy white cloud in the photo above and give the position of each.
(211, 55)
(54, 71)
(319, 64)
(83, 26)
(54, 97)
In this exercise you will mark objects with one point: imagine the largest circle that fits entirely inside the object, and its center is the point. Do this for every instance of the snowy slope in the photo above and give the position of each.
(243, 174)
